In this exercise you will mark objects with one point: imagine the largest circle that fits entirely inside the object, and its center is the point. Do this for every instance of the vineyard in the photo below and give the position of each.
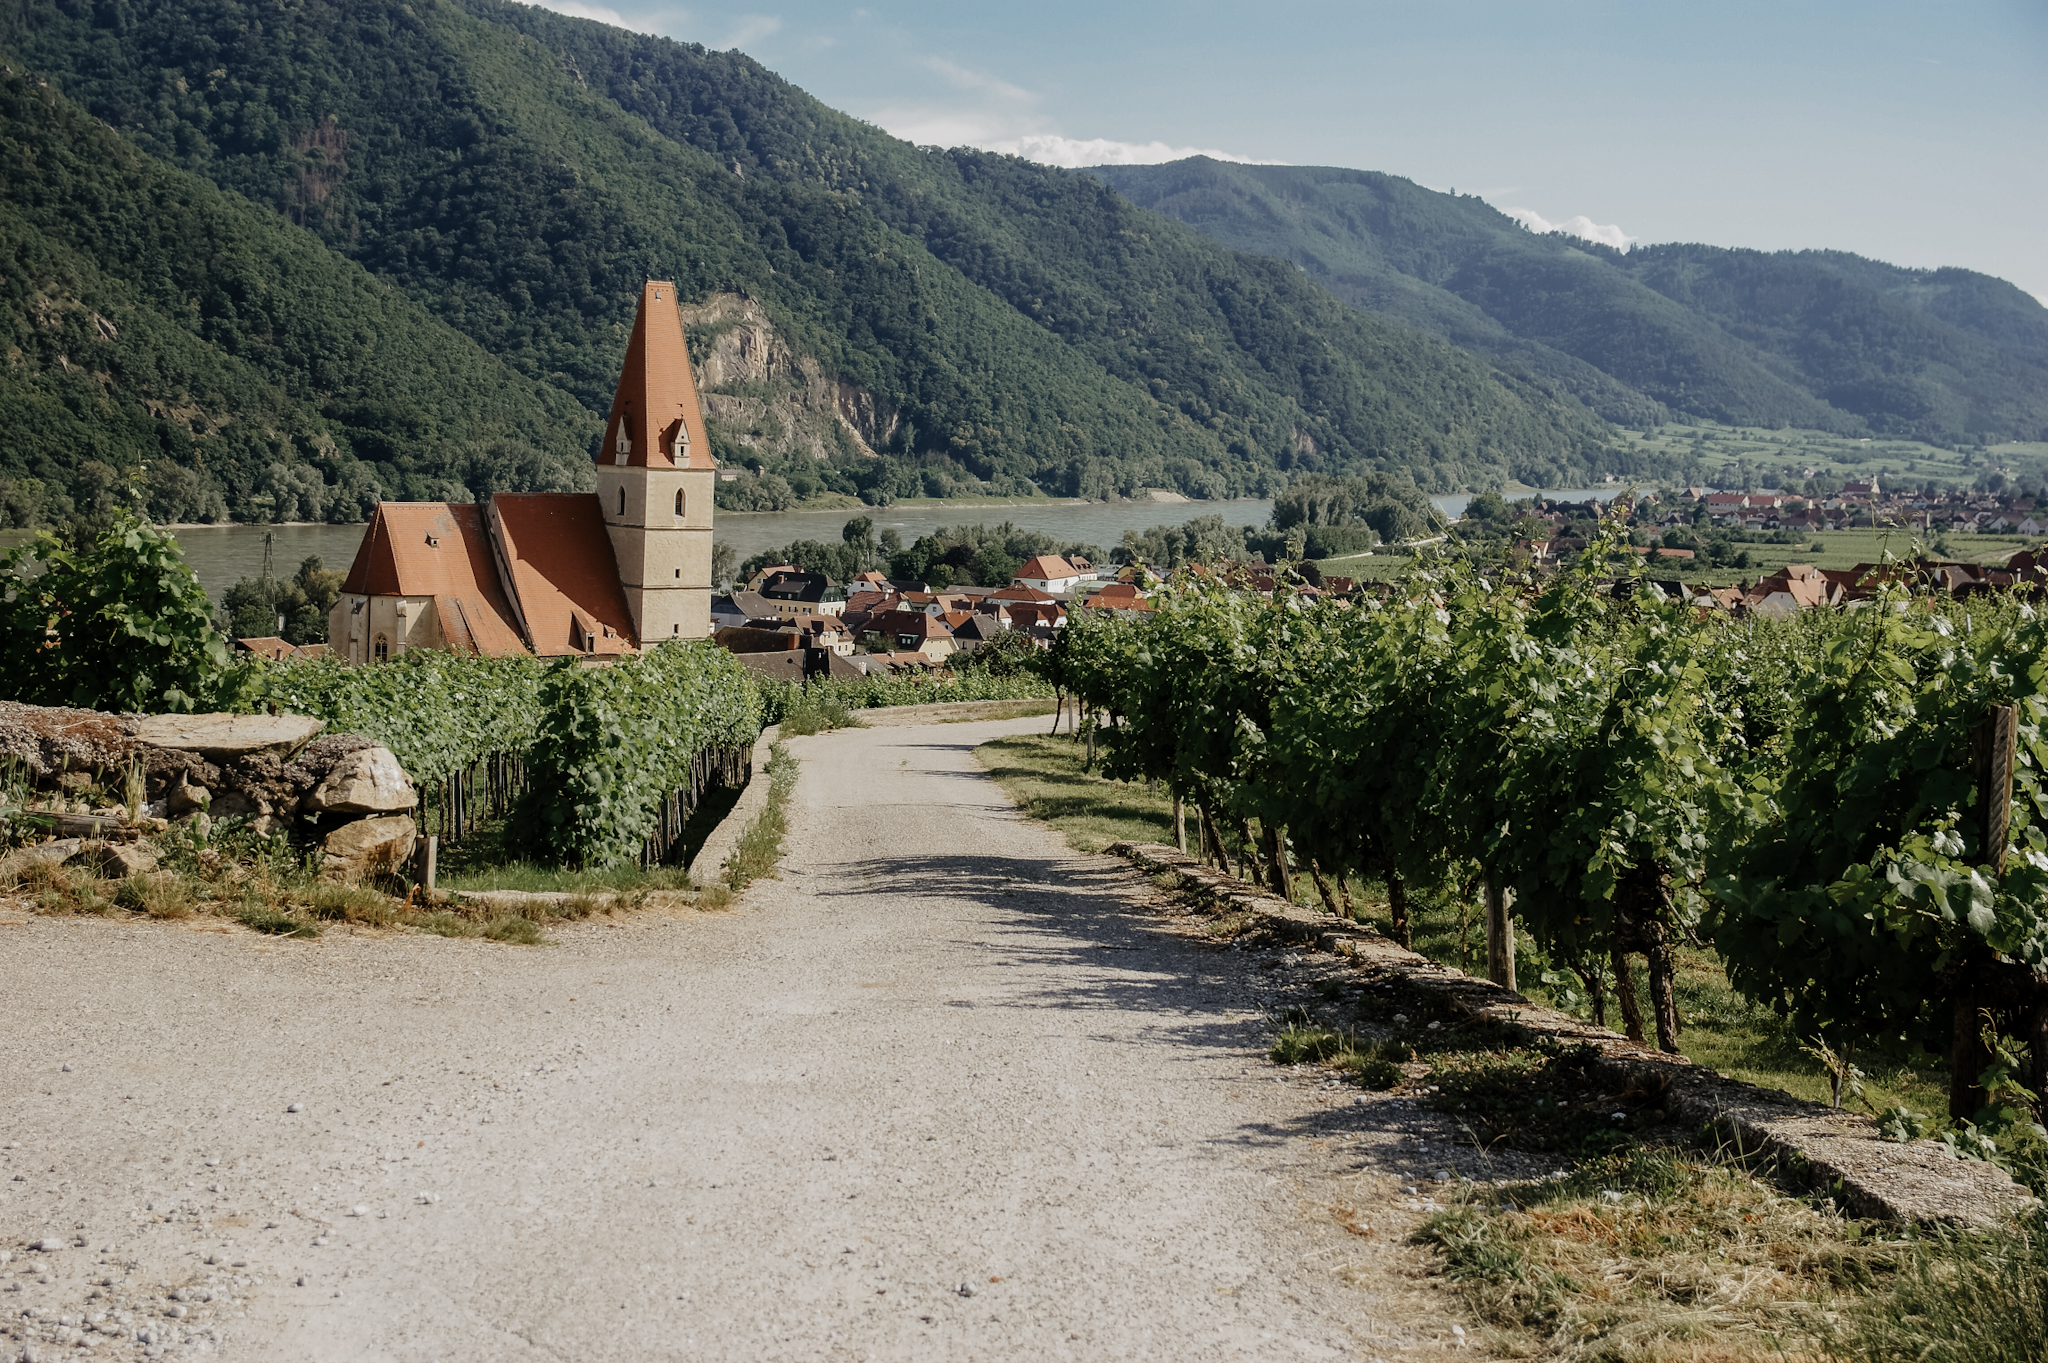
(876, 692)
(593, 767)
(1845, 807)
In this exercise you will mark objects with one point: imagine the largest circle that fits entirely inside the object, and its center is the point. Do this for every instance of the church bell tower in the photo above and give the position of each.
(655, 478)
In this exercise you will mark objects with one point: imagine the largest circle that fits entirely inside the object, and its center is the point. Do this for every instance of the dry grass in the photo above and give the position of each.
(1657, 1256)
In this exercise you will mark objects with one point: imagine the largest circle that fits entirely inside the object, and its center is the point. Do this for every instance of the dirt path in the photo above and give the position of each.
(942, 1091)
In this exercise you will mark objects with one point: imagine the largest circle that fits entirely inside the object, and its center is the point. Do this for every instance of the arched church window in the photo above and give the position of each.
(382, 649)
(679, 502)
(622, 501)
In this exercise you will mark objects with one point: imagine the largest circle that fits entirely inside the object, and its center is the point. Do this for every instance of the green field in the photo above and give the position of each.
(1731, 454)
(1840, 549)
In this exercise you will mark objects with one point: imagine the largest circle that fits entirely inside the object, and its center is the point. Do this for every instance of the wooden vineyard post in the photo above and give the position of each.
(1500, 937)
(1997, 749)
(1997, 746)
(425, 858)
(1180, 823)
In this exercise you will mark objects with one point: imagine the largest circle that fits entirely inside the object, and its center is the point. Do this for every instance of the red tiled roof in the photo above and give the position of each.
(439, 549)
(657, 394)
(1048, 568)
(558, 556)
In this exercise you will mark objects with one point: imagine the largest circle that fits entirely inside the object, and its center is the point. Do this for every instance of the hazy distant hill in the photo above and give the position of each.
(1810, 338)
(935, 315)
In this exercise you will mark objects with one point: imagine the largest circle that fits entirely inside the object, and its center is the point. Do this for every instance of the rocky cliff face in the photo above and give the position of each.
(762, 397)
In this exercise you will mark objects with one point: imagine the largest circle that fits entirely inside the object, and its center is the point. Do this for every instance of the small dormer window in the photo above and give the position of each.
(682, 446)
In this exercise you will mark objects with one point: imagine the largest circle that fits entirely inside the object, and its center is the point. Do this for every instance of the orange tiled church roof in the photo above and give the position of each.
(559, 557)
(439, 550)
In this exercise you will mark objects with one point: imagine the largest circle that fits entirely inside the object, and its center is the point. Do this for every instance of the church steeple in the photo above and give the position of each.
(656, 419)
(656, 478)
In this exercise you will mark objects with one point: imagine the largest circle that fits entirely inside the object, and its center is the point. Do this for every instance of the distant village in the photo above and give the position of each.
(790, 625)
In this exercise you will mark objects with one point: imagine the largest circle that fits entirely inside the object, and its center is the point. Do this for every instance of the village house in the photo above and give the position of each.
(1049, 573)
(789, 592)
(578, 574)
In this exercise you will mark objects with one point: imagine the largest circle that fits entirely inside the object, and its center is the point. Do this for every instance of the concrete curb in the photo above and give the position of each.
(719, 843)
(1838, 1153)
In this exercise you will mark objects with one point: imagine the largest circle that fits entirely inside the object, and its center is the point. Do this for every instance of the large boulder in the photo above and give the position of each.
(221, 738)
(366, 781)
(113, 859)
(22, 860)
(379, 845)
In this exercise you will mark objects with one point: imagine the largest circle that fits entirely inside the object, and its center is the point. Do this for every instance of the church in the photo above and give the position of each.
(554, 574)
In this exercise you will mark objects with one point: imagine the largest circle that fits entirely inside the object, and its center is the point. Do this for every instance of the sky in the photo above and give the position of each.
(1916, 133)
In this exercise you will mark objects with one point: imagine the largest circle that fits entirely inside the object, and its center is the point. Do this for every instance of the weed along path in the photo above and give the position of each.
(943, 1090)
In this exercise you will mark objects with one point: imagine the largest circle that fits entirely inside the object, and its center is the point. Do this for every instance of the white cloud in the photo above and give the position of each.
(576, 10)
(961, 78)
(672, 22)
(1583, 227)
(1052, 149)
(752, 28)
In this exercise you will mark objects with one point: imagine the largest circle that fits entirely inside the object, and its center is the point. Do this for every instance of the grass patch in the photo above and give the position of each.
(525, 876)
(1959, 1297)
(486, 860)
(1372, 1064)
(1654, 1254)
(1541, 1097)
(1002, 709)
(277, 924)
(817, 710)
(1044, 776)
(760, 847)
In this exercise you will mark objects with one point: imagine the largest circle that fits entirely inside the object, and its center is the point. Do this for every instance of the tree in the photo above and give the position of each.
(1012, 653)
(123, 626)
(294, 610)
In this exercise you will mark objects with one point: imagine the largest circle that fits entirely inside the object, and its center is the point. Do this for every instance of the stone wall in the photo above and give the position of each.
(280, 773)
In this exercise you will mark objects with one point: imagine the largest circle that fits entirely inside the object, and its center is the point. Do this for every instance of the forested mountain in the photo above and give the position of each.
(945, 316)
(1809, 338)
(162, 334)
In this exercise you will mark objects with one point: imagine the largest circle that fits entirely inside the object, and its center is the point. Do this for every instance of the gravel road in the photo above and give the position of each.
(944, 1090)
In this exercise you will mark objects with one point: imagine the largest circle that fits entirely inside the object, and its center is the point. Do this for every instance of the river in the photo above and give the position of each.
(224, 554)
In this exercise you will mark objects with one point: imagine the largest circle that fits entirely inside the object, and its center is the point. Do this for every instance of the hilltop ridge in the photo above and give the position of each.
(1820, 339)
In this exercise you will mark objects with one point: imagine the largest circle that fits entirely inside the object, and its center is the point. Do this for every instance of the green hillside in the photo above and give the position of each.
(162, 334)
(1823, 340)
(965, 316)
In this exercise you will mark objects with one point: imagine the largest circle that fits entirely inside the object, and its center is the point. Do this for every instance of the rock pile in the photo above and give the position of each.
(343, 792)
